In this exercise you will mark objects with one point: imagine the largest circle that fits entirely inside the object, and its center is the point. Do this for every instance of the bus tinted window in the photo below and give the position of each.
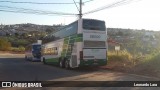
(36, 47)
(92, 44)
(94, 25)
(64, 32)
(67, 30)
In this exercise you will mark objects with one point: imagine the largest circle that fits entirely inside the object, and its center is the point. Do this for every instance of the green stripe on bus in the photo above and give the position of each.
(65, 41)
(79, 35)
(66, 38)
(73, 37)
(52, 60)
(63, 53)
(68, 41)
(72, 41)
(79, 39)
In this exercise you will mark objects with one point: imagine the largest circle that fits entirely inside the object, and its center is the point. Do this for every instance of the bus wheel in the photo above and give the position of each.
(26, 58)
(67, 65)
(44, 62)
(61, 63)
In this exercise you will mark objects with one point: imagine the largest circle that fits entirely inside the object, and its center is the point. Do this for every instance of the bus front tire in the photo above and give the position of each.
(62, 63)
(26, 58)
(44, 62)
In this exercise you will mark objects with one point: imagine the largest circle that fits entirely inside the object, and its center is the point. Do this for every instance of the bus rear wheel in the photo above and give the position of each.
(67, 65)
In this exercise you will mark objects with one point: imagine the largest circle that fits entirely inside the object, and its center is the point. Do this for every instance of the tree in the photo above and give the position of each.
(49, 30)
(21, 42)
(120, 33)
(16, 34)
(4, 44)
(23, 35)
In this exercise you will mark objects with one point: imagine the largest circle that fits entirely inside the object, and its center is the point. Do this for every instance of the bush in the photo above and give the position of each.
(14, 49)
(150, 65)
(4, 44)
(152, 60)
(120, 59)
(119, 56)
(19, 49)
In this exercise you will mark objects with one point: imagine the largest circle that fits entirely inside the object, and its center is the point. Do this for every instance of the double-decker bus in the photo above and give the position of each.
(33, 52)
(81, 43)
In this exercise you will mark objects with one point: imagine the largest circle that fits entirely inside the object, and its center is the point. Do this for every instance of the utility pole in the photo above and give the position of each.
(80, 11)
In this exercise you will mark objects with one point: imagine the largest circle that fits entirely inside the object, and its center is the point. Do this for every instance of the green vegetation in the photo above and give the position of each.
(148, 64)
(119, 59)
(17, 42)
(17, 36)
(152, 61)
(4, 44)
(12, 43)
(20, 42)
(18, 49)
(120, 56)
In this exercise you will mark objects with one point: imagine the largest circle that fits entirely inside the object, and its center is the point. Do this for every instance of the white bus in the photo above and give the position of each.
(81, 43)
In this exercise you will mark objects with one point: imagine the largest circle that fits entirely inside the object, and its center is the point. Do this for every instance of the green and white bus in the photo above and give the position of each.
(81, 43)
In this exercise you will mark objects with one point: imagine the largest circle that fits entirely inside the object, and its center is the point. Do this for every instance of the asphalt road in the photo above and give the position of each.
(15, 68)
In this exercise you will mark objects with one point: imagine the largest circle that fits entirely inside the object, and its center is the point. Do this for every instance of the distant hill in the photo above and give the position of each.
(26, 28)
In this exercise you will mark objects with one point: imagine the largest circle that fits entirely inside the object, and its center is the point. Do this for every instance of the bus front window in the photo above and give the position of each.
(36, 47)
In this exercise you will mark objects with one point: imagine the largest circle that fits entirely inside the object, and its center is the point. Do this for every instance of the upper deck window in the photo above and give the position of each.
(94, 25)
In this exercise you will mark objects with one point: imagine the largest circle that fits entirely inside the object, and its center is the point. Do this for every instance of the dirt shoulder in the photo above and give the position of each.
(10, 52)
(134, 70)
(11, 55)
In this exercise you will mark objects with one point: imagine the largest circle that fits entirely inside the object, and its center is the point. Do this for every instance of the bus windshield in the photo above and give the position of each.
(36, 47)
(94, 25)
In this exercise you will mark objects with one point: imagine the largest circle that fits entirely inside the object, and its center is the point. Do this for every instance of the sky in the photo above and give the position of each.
(137, 14)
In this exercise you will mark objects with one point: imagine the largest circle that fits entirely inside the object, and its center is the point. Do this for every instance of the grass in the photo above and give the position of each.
(119, 56)
(124, 61)
(152, 61)
(150, 65)
(120, 59)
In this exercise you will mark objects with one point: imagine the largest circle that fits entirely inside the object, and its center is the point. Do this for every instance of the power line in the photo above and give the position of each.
(105, 7)
(41, 2)
(122, 2)
(36, 11)
(76, 5)
(33, 2)
(40, 11)
(88, 1)
(18, 11)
